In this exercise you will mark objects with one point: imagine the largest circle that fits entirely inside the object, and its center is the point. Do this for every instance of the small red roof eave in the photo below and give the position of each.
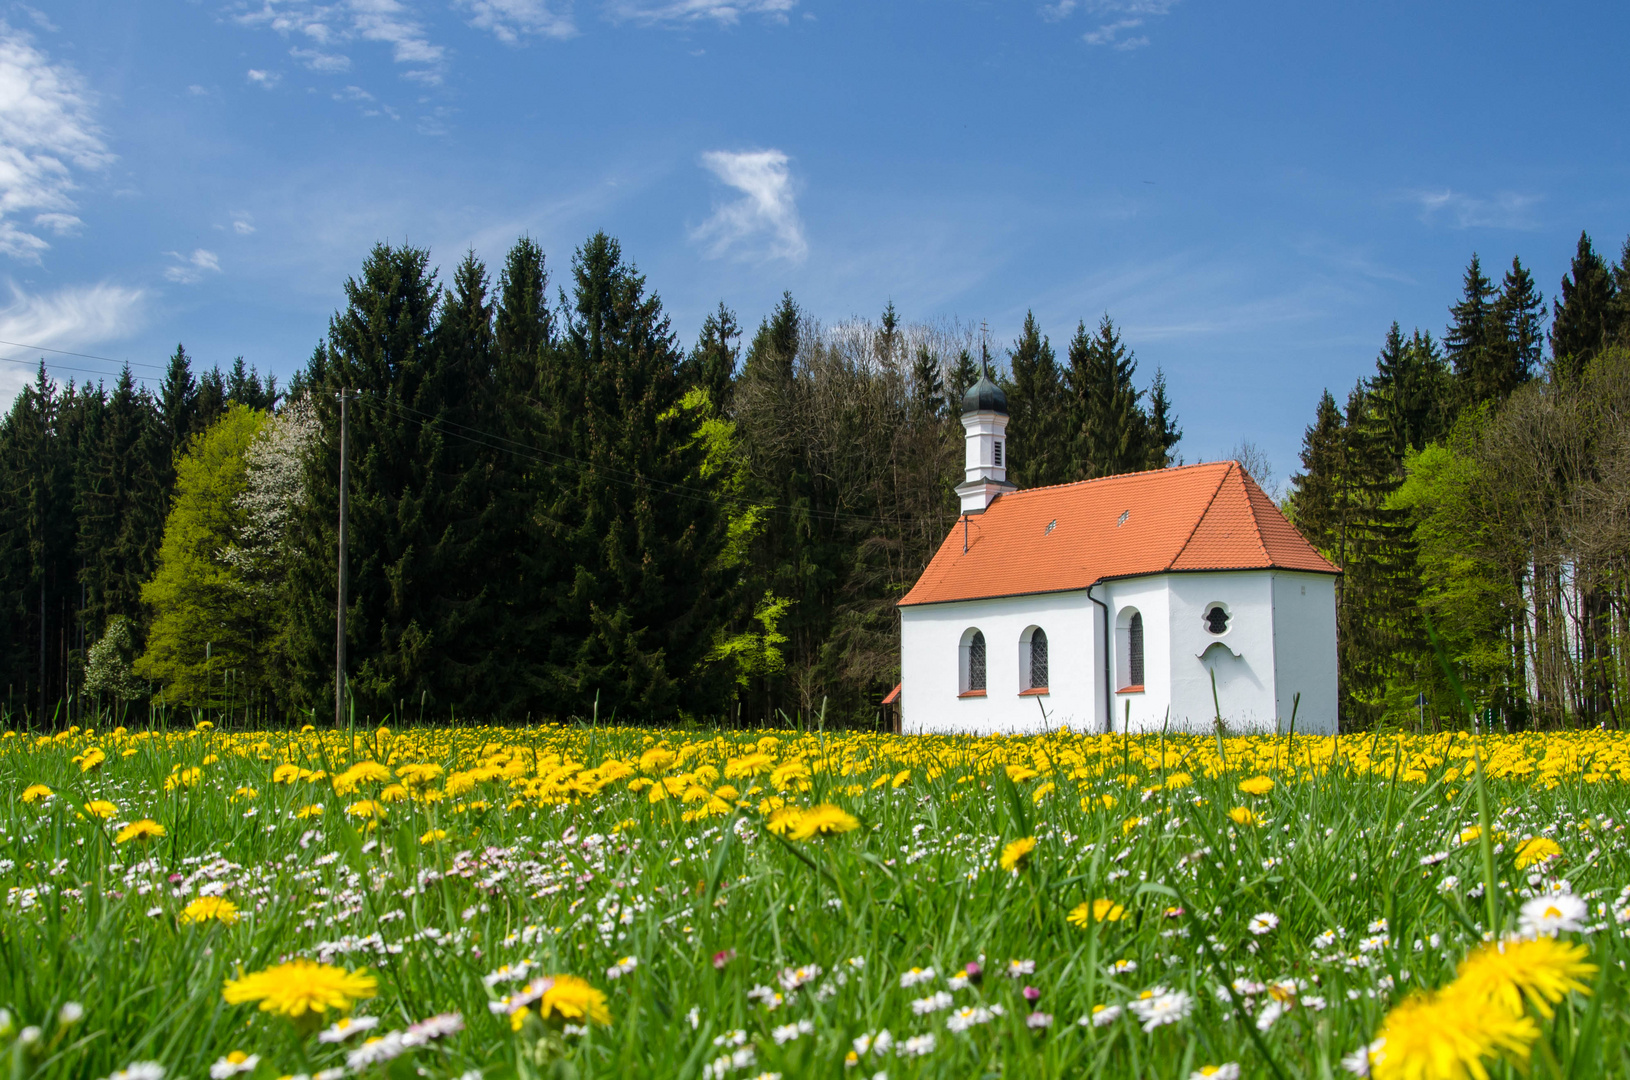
(1334, 571)
(894, 695)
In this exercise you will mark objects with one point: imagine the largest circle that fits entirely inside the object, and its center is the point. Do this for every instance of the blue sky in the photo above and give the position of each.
(1253, 191)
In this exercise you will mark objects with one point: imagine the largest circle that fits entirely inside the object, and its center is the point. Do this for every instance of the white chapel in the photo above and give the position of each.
(1134, 603)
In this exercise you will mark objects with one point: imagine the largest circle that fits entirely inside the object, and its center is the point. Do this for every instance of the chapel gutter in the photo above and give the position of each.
(1109, 700)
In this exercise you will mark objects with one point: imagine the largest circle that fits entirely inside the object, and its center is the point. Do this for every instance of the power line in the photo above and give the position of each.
(81, 355)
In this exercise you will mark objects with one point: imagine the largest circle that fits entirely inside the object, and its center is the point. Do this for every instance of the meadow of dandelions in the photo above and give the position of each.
(572, 902)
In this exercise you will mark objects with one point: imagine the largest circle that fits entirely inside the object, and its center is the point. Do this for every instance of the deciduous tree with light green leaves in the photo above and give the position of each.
(207, 643)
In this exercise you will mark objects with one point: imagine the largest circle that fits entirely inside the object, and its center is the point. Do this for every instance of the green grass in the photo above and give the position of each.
(576, 875)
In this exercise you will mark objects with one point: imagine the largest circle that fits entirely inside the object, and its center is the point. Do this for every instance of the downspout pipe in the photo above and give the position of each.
(1109, 701)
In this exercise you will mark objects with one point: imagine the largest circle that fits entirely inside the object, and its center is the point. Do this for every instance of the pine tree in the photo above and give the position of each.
(1514, 348)
(928, 384)
(1621, 297)
(1411, 391)
(1318, 500)
(380, 349)
(1163, 433)
(1037, 432)
(1109, 426)
(641, 613)
(963, 376)
(178, 397)
(1582, 319)
(1467, 341)
(121, 498)
(711, 365)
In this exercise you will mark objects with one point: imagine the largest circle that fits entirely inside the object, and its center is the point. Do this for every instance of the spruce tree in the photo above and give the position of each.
(711, 365)
(380, 350)
(1514, 351)
(1582, 318)
(1467, 340)
(641, 612)
(963, 375)
(928, 384)
(1038, 447)
(1621, 297)
(1108, 424)
(1162, 433)
(121, 500)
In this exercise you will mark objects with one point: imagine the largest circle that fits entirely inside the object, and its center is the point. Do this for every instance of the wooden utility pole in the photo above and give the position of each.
(339, 611)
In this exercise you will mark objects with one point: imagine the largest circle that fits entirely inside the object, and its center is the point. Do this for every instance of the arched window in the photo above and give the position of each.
(1129, 650)
(972, 663)
(1033, 661)
(1134, 649)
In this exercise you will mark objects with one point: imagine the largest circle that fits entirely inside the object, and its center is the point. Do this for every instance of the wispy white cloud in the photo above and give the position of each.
(77, 317)
(687, 11)
(324, 25)
(263, 78)
(242, 223)
(317, 60)
(46, 132)
(1505, 210)
(763, 223)
(73, 317)
(511, 20)
(190, 269)
(1118, 20)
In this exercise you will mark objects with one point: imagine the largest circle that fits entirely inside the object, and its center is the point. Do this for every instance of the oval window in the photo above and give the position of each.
(1216, 619)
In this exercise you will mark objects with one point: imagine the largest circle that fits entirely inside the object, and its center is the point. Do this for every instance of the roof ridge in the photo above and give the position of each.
(1187, 540)
(1116, 476)
(1256, 521)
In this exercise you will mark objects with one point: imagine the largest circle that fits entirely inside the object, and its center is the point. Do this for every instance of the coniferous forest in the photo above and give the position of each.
(558, 510)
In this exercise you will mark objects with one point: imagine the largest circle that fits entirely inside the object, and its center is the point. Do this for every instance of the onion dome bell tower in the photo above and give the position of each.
(984, 418)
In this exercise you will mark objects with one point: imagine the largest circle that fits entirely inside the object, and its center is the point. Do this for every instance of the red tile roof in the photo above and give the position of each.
(1057, 539)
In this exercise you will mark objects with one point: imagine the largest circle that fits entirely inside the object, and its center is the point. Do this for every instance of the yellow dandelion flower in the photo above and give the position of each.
(782, 819)
(1542, 972)
(1178, 780)
(301, 987)
(1016, 854)
(285, 773)
(1256, 785)
(367, 808)
(34, 793)
(824, 820)
(100, 808)
(748, 765)
(1020, 773)
(1243, 815)
(311, 811)
(1434, 1036)
(143, 830)
(433, 835)
(91, 759)
(1130, 824)
(571, 998)
(1536, 850)
(207, 908)
(1100, 910)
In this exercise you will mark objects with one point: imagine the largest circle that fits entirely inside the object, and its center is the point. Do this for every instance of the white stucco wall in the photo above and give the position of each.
(1242, 657)
(930, 637)
(1280, 641)
(1305, 650)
